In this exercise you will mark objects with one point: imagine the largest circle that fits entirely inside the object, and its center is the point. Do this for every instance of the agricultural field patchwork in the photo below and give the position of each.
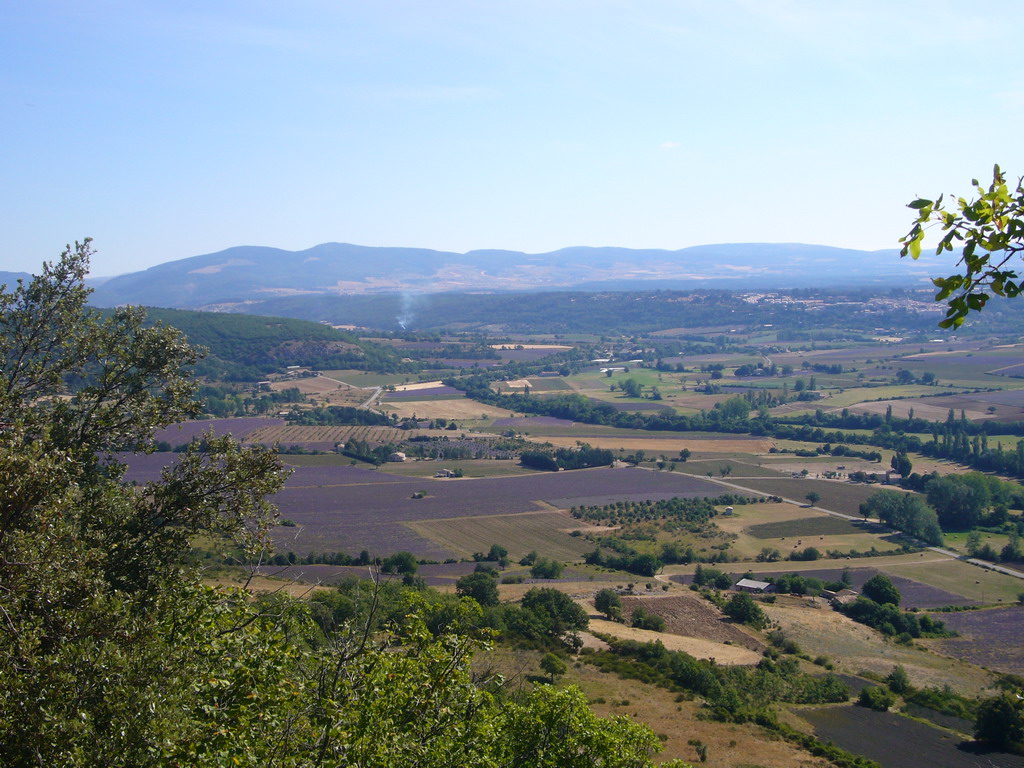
(350, 508)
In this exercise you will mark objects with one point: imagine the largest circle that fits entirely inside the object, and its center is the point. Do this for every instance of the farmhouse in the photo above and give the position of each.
(444, 473)
(396, 456)
(750, 585)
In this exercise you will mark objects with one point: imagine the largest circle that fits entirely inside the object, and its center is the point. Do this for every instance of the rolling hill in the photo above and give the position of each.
(246, 275)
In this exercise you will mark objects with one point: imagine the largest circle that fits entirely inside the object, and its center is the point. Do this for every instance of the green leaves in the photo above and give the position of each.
(991, 229)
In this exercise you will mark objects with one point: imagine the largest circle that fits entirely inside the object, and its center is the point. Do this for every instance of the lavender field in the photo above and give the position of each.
(351, 508)
(989, 638)
(184, 433)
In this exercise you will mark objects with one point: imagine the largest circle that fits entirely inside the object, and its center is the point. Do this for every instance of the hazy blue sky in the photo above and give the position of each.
(169, 129)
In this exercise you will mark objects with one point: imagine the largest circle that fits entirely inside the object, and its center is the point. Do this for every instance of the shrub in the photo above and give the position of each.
(876, 698)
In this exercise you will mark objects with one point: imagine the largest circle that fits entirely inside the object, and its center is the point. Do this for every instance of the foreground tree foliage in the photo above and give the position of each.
(990, 231)
(113, 653)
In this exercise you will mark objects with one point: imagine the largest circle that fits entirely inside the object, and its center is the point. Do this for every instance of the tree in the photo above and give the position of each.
(607, 601)
(545, 568)
(481, 586)
(1000, 721)
(400, 562)
(880, 589)
(642, 619)
(877, 698)
(742, 608)
(901, 464)
(990, 231)
(553, 665)
(899, 681)
(813, 498)
(97, 605)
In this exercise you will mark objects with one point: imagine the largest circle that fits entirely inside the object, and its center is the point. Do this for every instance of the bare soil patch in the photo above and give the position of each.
(692, 616)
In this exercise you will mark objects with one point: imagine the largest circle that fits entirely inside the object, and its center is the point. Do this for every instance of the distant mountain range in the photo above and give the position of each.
(241, 278)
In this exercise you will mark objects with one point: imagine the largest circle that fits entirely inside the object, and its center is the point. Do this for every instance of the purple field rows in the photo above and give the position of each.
(525, 355)
(184, 433)
(899, 742)
(533, 421)
(989, 638)
(419, 394)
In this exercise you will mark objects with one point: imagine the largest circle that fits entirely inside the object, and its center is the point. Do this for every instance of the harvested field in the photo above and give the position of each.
(720, 653)
(899, 742)
(668, 446)
(419, 385)
(692, 616)
(990, 638)
(186, 431)
(543, 532)
(315, 385)
(462, 408)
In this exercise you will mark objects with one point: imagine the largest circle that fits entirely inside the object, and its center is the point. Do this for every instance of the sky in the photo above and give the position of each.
(170, 129)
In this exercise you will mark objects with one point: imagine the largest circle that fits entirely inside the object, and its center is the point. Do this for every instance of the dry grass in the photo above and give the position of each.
(855, 648)
(695, 646)
(461, 409)
(676, 723)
